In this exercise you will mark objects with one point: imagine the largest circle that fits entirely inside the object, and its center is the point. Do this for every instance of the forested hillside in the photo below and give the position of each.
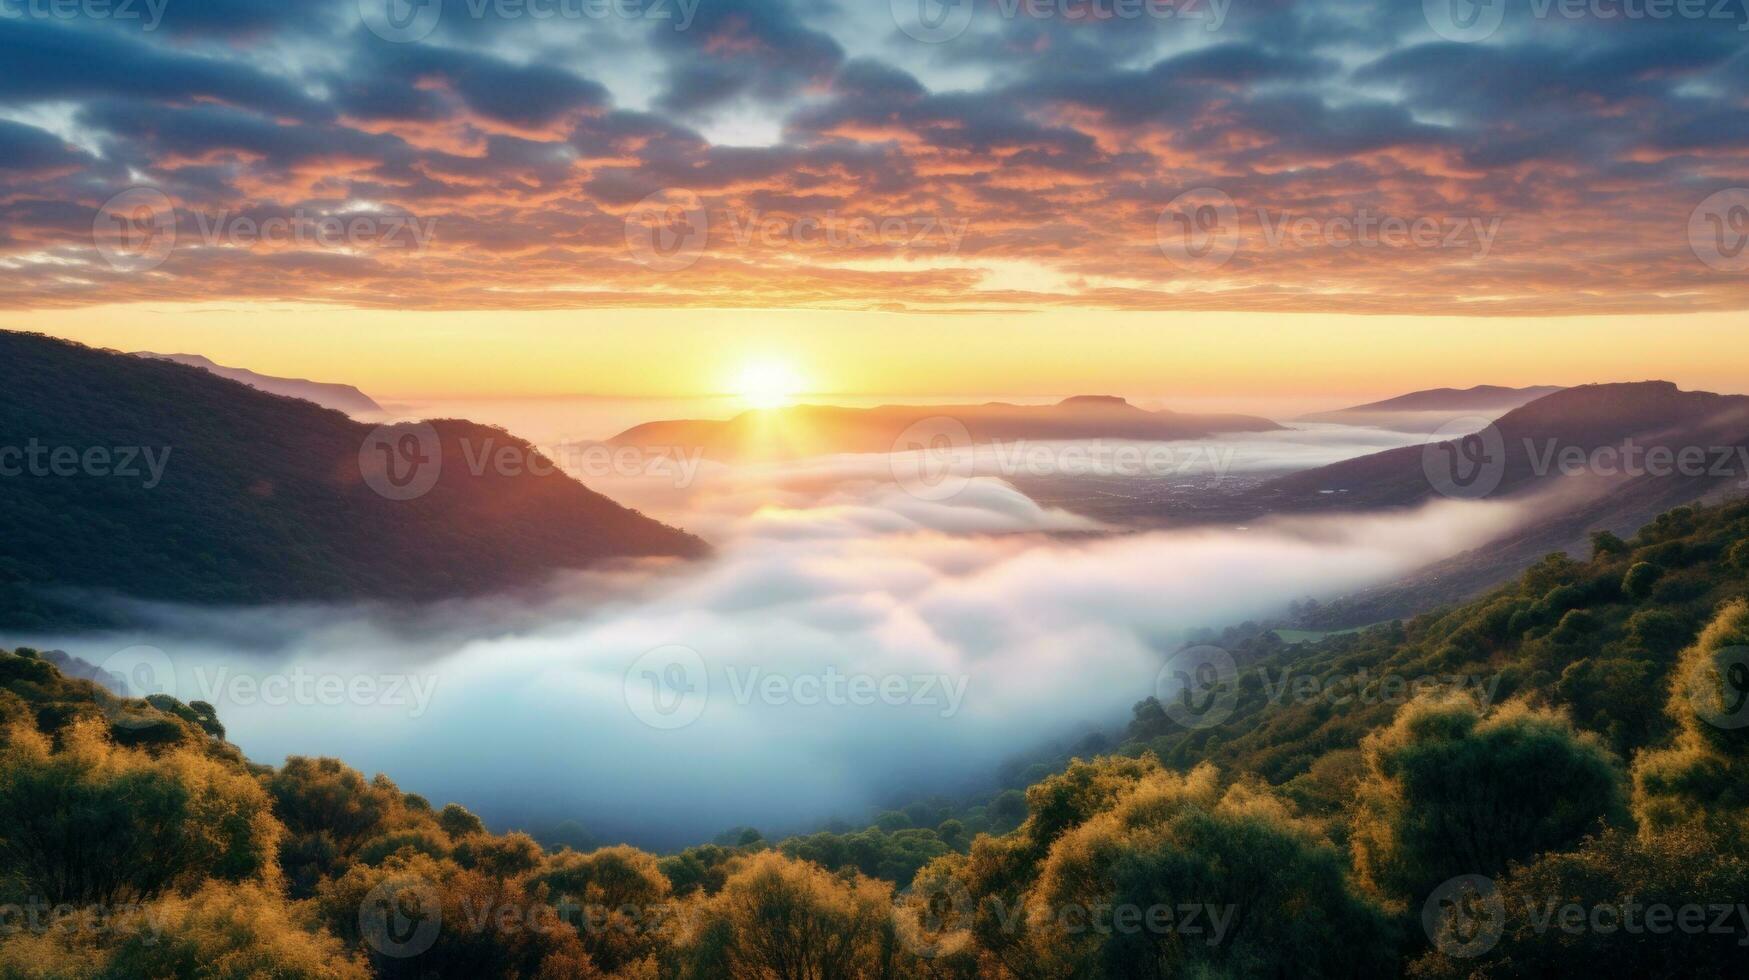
(155, 480)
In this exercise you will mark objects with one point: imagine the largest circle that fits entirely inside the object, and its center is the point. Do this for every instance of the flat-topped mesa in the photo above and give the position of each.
(1094, 401)
(814, 430)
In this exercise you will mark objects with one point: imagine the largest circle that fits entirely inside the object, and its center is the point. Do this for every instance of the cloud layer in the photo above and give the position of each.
(1054, 133)
(665, 705)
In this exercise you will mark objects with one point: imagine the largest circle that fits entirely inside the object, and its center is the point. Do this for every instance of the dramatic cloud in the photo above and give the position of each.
(1360, 155)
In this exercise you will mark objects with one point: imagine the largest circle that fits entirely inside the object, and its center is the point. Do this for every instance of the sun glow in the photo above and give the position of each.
(767, 384)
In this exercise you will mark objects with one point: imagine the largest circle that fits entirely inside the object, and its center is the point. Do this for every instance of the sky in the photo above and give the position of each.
(1196, 200)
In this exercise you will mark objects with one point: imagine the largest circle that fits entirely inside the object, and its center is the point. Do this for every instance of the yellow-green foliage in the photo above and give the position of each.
(1450, 790)
(482, 926)
(777, 918)
(1148, 873)
(1703, 779)
(1622, 882)
(1186, 877)
(619, 899)
(92, 822)
(233, 932)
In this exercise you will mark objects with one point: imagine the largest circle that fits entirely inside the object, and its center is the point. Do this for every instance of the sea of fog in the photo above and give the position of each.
(850, 643)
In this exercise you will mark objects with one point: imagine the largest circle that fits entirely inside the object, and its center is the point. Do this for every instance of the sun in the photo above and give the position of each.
(767, 384)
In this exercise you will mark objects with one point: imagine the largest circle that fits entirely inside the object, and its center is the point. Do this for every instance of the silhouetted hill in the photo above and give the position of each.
(1427, 410)
(1586, 418)
(165, 482)
(342, 398)
(1594, 426)
(806, 430)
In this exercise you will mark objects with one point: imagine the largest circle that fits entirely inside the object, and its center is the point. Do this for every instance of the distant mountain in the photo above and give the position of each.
(71, 666)
(1602, 423)
(809, 430)
(343, 398)
(1425, 411)
(155, 480)
(1586, 418)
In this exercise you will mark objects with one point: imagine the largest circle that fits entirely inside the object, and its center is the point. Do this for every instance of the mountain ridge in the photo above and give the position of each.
(340, 397)
(1431, 408)
(261, 498)
(1595, 419)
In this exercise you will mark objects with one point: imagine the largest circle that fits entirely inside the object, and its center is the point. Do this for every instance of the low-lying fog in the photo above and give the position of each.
(848, 643)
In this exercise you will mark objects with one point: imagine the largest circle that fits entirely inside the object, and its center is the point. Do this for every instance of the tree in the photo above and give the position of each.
(457, 822)
(1640, 578)
(1611, 908)
(616, 897)
(421, 917)
(1658, 631)
(231, 932)
(781, 919)
(1184, 878)
(96, 823)
(1450, 792)
(1703, 779)
(1084, 789)
(1606, 543)
(503, 856)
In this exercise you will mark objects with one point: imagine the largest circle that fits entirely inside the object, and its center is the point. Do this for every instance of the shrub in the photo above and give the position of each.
(1450, 792)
